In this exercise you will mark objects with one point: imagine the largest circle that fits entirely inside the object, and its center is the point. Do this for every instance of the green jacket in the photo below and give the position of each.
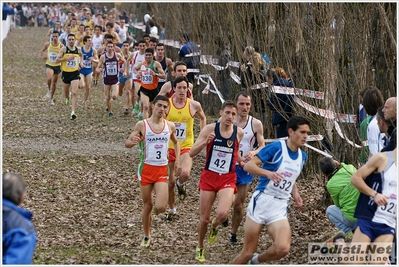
(364, 153)
(343, 193)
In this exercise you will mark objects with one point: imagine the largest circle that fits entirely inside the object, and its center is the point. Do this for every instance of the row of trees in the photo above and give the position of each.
(336, 48)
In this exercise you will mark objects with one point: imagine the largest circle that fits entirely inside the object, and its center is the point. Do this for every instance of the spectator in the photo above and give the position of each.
(19, 234)
(223, 75)
(252, 73)
(390, 111)
(372, 100)
(342, 192)
(153, 28)
(383, 125)
(364, 120)
(189, 54)
(280, 104)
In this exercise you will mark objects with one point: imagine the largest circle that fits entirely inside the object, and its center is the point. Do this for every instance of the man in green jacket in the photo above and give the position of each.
(343, 194)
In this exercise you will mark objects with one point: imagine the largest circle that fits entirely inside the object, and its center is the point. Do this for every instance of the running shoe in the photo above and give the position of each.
(181, 191)
(67, 101)
(48, 95)
(226, 223)
(250, 261)
(170, 216)
(146, 242)
(110, 114)
(136, 108)
(73, 115)
(52, 102)
(199, 254)
(126, 111)
(331, 241)
(233, 240)
(213, 234)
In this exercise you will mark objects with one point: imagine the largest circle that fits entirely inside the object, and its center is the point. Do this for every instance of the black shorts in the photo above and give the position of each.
(150, 93)
(68, 77)
(56, 69)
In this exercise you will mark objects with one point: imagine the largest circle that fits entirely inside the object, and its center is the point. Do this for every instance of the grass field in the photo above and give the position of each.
(81, 189)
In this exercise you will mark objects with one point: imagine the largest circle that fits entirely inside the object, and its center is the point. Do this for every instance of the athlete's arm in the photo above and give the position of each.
(161, 73)
(165, 89)
(169, 64)
(44, 49)
(60, 55)
(200, 113)
(100, 64)
(258, 129)
(136, 136)
(297, 198)
(376, 163)
(206, 135)
(81, 58)
(136, 70)
(176, 145)
(94, 58)
(190, 87)
(253, 166)
(125, 64)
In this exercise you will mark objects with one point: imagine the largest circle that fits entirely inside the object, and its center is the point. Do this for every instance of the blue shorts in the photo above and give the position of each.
(122, 79)
(86, 71)
(242, 176)
(374, 229)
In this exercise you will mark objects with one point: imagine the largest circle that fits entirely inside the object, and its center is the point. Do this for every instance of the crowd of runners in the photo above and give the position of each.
(86, 53)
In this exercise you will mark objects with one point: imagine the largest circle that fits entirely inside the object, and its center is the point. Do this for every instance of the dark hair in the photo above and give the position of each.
(179, 63)
(241, 93)
(125, 42)
(141, 42)
(153, 39)
(372, 100)
(136, 44)
(87, 27)
(109, 24)
(86, 38)
(229, 103)
(149, 50)
(179, 80)
(380, 115)
(71, 34)
(160, 98)
(327, 166)
(295, 121)
(186, 36)
(55, 32)
(98, 26)
(146, 35)
(160, 44)
(109, 43)
(107, 36)
(13, 187)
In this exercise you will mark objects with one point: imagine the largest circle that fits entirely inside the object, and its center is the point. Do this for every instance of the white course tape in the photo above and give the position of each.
(310, 138)
(326, 113)
(318, 150)
(343, 136)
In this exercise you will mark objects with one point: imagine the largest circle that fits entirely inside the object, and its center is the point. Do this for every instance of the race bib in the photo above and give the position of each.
(181, 131)
(87, 64)
(71, 64)
(220, 161)
(52, 57)
(112, 69)
(146, 77)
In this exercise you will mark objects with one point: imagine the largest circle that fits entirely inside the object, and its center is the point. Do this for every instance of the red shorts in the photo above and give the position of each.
(212, 181)
(172, 155)
(153, 174)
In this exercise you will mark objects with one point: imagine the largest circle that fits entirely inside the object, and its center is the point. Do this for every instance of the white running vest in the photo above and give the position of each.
(290, 169)
(156, 145)
(387, 214)
(248, 140)
(97, 41)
